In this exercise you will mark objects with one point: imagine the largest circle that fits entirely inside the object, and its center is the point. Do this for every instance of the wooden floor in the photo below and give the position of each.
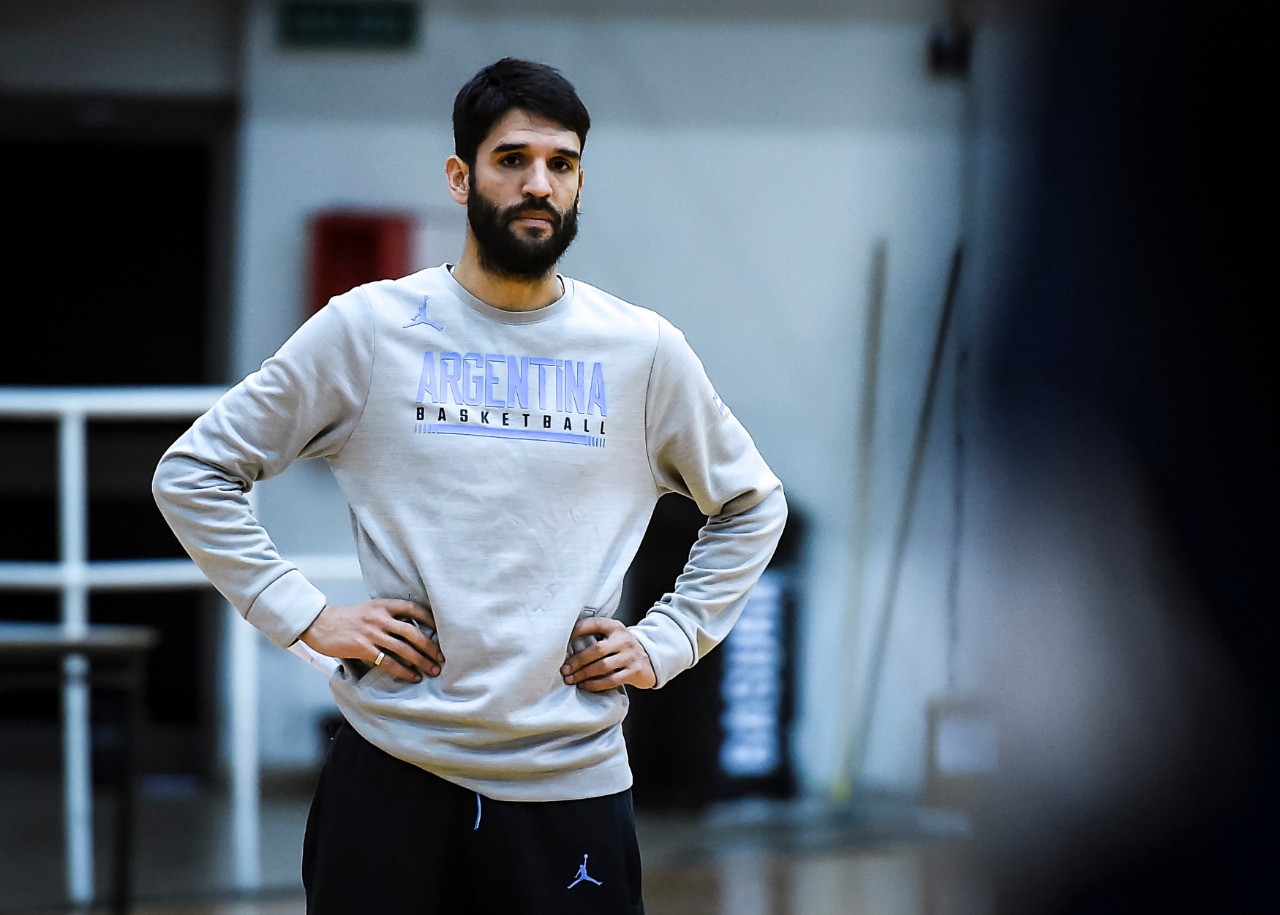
(752, 858)
(888, 881)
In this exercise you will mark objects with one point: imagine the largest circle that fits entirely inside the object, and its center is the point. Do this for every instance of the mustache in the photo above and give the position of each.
(532, 204)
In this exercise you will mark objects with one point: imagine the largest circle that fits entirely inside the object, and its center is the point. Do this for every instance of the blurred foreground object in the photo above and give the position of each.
(1135, 668)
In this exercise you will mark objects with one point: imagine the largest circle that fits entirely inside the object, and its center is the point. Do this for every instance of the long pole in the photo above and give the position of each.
(842, 790)
(876, 668)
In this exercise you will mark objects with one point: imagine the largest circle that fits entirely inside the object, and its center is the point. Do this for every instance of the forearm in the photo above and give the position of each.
(731, 552)
(208, 509)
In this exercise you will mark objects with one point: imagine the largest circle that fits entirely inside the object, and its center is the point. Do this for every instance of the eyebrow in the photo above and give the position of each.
(516, 147)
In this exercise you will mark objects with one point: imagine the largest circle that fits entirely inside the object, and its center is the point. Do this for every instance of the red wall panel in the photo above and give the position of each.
(350, 247)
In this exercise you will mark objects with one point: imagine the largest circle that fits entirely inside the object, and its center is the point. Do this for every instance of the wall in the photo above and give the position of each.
(143, 47)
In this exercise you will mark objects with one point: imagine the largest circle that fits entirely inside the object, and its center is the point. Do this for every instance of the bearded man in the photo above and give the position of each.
(501, 434)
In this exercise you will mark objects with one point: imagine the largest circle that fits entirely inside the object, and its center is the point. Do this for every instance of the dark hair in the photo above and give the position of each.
(513, 83)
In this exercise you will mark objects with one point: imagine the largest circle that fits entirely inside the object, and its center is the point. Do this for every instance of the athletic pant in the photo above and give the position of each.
(384, 836)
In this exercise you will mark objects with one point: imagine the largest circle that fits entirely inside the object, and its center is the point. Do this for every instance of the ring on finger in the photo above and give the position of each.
(378, 660)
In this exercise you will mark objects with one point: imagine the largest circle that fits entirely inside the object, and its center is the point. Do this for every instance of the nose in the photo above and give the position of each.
(537, 182)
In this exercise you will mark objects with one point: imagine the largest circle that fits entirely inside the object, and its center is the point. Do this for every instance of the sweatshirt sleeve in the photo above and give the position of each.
(303, 402)
(699, 449)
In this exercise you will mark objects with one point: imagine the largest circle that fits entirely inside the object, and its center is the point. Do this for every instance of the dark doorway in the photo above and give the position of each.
(119, 215)
(110, 277)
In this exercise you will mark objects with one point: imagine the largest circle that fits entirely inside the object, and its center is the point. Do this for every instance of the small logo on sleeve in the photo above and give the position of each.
(421, 317)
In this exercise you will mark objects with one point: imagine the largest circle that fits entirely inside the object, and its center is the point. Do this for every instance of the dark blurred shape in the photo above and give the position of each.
(108, 256)
(1135, 338)
(950, 48)
(366, 25)
(721, 730)
(120, 224)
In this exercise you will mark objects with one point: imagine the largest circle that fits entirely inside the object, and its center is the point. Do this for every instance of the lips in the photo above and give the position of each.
(535, 216)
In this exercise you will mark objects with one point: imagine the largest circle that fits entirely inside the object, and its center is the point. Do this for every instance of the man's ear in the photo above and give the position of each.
(458, 176)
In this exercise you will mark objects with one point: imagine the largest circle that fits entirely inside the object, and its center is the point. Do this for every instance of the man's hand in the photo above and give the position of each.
(382, 625)
(618, 659)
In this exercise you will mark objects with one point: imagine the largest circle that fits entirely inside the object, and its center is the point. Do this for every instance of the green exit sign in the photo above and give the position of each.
(328, 24)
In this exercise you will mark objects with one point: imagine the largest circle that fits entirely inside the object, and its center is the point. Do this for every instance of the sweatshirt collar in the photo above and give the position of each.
(502, 315)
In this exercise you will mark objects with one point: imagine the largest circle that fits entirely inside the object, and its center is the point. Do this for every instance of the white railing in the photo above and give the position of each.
(73, 576)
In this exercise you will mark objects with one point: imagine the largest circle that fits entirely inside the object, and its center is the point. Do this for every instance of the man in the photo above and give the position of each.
(501, 434)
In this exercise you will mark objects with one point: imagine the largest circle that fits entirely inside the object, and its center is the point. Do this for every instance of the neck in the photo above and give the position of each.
(507, 293)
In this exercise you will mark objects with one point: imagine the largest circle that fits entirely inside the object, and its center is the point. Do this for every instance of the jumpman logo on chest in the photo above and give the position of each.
(421, 317)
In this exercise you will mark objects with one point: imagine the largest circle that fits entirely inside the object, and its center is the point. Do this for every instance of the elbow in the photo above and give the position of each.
(162, 488)
(774, 505)
(158, 490)
(169, 481)
(780, 508)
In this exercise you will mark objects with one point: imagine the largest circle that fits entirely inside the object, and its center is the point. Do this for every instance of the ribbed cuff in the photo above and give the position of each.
(285, 609)
(668, 646)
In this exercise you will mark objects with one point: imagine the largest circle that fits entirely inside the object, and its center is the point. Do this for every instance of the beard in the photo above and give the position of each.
(507, 254)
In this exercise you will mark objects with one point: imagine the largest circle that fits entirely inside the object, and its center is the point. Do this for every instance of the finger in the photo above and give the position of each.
(594, 670)
(598, 668)
(592, 654)
(400, 658)
(600, 684)
(589, 633)
(399, 607)
(617, 640)
(424, 649)
(396, 668)
(411, 657)
(596, 625)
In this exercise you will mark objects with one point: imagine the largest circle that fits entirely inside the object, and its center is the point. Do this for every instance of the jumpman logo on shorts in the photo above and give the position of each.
(421, 317)
(583, 875)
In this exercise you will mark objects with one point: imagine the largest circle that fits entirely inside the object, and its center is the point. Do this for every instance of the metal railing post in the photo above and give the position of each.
(74, 576)
(77, 767)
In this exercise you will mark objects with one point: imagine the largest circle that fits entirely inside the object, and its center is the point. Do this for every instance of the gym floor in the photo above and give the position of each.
(753, 857)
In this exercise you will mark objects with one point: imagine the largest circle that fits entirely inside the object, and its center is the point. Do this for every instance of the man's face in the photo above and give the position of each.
(522, 203)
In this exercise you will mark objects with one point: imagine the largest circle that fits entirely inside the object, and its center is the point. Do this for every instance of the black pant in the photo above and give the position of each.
(385, 836)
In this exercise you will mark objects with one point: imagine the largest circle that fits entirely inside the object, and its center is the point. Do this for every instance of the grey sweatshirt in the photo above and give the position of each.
(501, 468)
